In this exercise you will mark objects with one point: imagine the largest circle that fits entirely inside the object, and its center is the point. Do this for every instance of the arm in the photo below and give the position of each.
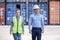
(11, 28)
(23, 25)
(30, 23)
(42, 24)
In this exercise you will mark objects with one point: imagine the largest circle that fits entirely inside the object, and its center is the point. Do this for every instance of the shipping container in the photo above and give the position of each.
(2, 0)
(59, 13)
(2, 13)
(16, 0)
(23, 12)
(43, 11)
(10, 12)
(30, 10)
(54, 12)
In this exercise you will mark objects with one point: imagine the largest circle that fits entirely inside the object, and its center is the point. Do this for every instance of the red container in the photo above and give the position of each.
(59, 10)
(2, 13)
(54, 12)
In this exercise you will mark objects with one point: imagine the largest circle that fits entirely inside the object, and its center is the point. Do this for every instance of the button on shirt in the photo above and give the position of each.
(37, 21)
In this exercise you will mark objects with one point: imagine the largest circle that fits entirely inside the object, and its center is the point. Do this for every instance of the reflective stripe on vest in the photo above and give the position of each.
(14, 28)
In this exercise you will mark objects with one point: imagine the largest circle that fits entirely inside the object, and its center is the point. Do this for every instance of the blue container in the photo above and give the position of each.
(44, 11)
(30, 10)
(23, 11)
(10, 12)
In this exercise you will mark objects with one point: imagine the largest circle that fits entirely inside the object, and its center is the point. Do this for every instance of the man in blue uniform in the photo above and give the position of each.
(36, 24)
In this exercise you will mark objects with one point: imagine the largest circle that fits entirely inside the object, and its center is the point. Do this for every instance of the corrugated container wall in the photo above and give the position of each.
(54, 12)
(23, 11)
(10, 12)
(2, 13)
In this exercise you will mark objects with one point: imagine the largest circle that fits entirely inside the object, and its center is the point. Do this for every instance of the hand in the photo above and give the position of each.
(30, 31)
(22, 32)
(10, 32)
(42, 31)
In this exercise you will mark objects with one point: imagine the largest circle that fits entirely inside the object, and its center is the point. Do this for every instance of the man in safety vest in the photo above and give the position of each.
(17, 25)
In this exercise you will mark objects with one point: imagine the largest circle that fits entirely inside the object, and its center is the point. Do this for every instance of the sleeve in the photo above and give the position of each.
(42, 23)
(11, 25)
(23, 24)
(30, 23)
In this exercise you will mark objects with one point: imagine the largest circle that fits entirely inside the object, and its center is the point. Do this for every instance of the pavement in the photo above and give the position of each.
(51, 32)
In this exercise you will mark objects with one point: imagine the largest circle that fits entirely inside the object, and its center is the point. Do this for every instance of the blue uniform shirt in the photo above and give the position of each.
(36, 20)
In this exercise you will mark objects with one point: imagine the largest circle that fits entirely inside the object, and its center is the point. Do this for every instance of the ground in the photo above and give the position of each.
(51, 32)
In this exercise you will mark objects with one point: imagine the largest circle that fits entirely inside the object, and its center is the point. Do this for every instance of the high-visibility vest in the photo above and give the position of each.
(17, 25)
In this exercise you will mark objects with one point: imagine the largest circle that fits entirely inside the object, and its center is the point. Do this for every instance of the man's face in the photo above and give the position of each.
(36, 10)
(18, 13)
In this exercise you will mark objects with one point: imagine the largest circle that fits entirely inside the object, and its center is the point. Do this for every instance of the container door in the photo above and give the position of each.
(23, 12)
(10, 12)
(30, 10)
(54, 12)
(44, 11)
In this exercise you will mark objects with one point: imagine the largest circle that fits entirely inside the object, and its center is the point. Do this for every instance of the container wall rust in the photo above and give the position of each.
(2, 13)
